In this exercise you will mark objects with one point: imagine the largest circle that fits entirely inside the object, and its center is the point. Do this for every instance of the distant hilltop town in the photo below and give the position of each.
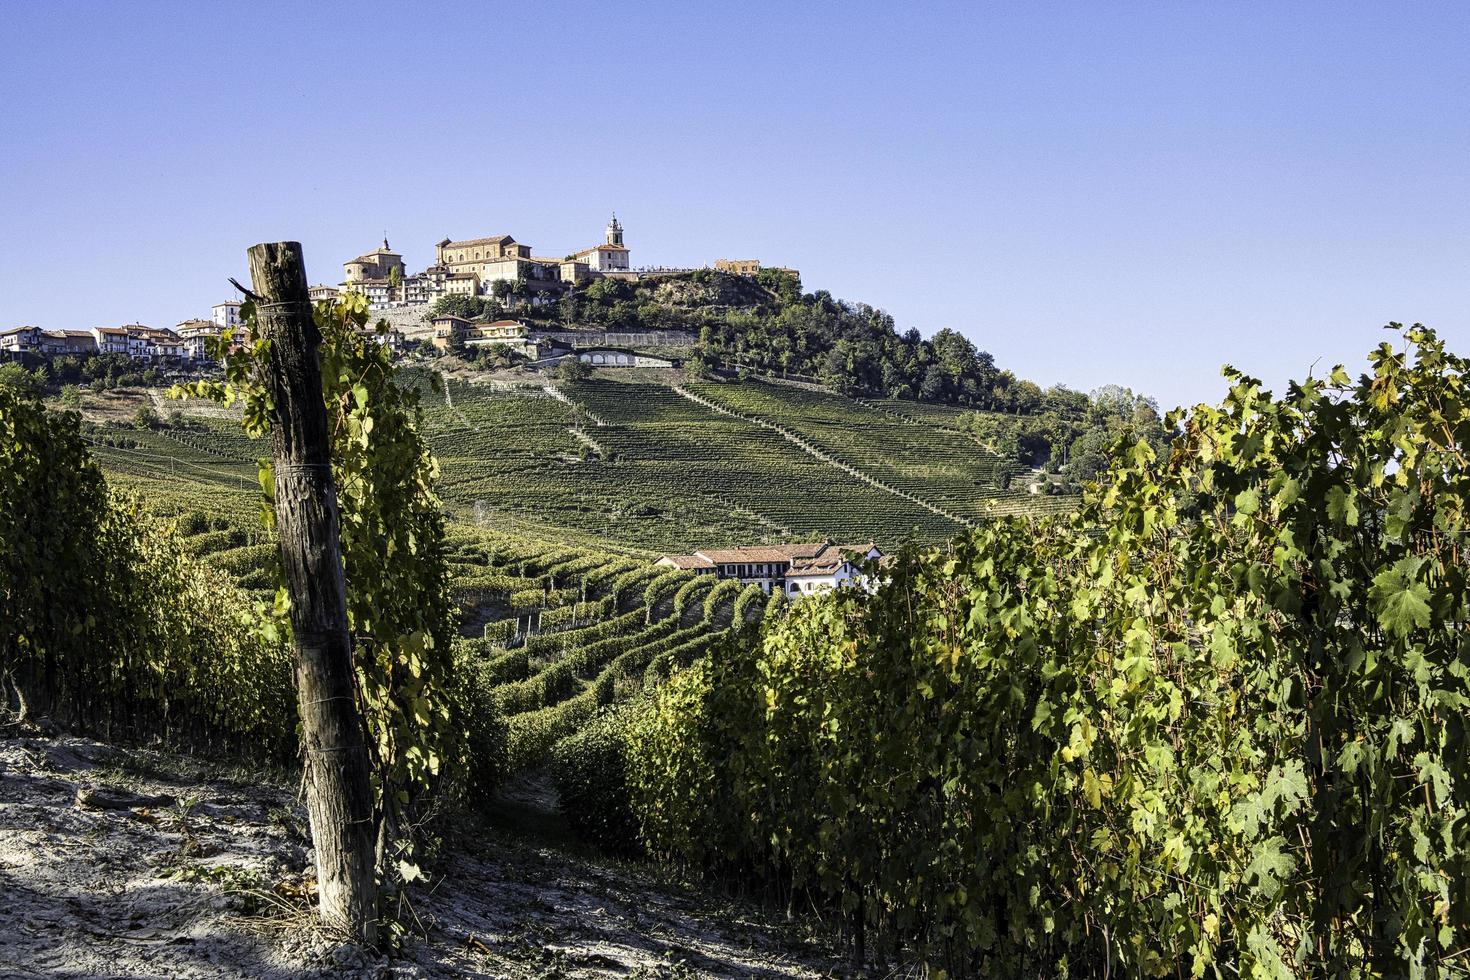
(473, 266)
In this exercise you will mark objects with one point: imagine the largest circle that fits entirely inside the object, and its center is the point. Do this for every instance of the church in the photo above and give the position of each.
(610, 256)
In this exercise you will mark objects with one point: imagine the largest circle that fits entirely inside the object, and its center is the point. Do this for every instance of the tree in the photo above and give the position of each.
(16, 378)
(932, 387)
(573, 369)
(390, 537)
(145, 417)
(71, 398)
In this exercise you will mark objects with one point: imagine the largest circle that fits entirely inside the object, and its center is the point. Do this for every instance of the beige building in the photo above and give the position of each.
(323, 292)
(749, 267)
(378, 264)
(197, 328)
(456, 256)
(738, 267)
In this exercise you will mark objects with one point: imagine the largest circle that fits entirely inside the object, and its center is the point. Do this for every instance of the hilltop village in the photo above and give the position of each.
(495, 266)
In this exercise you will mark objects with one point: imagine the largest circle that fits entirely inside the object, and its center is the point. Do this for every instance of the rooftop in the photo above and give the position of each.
(492, 240)
(814, 558)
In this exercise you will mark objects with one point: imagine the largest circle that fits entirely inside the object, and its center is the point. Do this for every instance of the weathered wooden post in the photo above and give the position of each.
(339, 796)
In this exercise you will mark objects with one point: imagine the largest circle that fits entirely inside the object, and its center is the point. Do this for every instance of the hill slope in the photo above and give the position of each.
(648, 463)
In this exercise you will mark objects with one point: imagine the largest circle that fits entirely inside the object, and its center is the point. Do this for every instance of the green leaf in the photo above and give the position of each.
(1342, 507)
(1400, 602)
(1270, 865)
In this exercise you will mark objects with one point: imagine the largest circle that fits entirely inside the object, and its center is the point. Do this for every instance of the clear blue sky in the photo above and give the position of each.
(1094, 192)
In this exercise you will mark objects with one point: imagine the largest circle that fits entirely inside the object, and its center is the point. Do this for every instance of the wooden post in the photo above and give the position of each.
(339, 797)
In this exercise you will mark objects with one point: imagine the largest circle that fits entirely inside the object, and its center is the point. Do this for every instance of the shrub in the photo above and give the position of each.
(590, 772)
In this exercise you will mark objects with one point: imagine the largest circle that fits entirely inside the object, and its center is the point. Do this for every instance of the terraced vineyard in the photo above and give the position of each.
(554, 633)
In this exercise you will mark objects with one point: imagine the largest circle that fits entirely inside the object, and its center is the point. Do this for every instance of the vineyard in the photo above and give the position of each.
(1127, 737)
(932, 463)
(635, 465)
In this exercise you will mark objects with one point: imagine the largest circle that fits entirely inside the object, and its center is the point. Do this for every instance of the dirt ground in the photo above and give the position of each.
(138, 864)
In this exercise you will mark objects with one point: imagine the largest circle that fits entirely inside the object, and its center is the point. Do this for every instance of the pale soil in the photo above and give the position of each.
(212, 884)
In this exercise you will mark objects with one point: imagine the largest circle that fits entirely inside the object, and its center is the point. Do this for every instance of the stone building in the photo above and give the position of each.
(379, 264)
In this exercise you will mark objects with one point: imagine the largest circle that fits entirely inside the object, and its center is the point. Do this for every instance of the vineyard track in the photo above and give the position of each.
(105, 893)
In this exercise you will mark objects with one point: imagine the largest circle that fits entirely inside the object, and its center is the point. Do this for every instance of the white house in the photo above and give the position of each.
(226, 315)
(20, 340)
(111, 340)
(797, 569)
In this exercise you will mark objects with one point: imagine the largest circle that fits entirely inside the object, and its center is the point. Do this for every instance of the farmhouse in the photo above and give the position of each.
(796, 569)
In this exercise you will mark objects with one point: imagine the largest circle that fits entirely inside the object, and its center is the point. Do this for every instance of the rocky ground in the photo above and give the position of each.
(137, 864)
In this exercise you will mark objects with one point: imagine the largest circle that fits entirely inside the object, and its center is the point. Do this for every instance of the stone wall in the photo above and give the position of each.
(409, 319)
(599, 338)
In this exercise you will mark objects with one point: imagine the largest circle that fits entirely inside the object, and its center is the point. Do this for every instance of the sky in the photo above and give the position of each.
(1117, 193)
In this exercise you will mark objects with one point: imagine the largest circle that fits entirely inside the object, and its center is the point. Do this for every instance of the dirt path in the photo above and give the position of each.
(209, 883)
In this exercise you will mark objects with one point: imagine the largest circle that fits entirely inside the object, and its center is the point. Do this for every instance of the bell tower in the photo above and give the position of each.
(614, 231)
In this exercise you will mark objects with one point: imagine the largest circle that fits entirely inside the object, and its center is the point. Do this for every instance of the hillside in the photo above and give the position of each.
(649, 463)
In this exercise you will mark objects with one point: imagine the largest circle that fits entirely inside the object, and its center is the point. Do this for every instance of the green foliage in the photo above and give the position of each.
(573, 369)
(589, 772)
(17, 380)
(109, 623)
(393, 552)
(477, 308)
(71, 398)
(1212, 723)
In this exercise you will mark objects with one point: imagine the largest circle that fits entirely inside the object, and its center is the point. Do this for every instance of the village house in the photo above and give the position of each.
(449, 328)
(513, 334)
(20, 340)
(795, 569)
(111, 340)
(226, 315)
(142, 343)
(64, 343)
(47, 343)
(323, 292)
(194, 338)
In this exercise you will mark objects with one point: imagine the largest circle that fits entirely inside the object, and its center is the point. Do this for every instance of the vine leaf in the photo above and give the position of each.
(1400, 602)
